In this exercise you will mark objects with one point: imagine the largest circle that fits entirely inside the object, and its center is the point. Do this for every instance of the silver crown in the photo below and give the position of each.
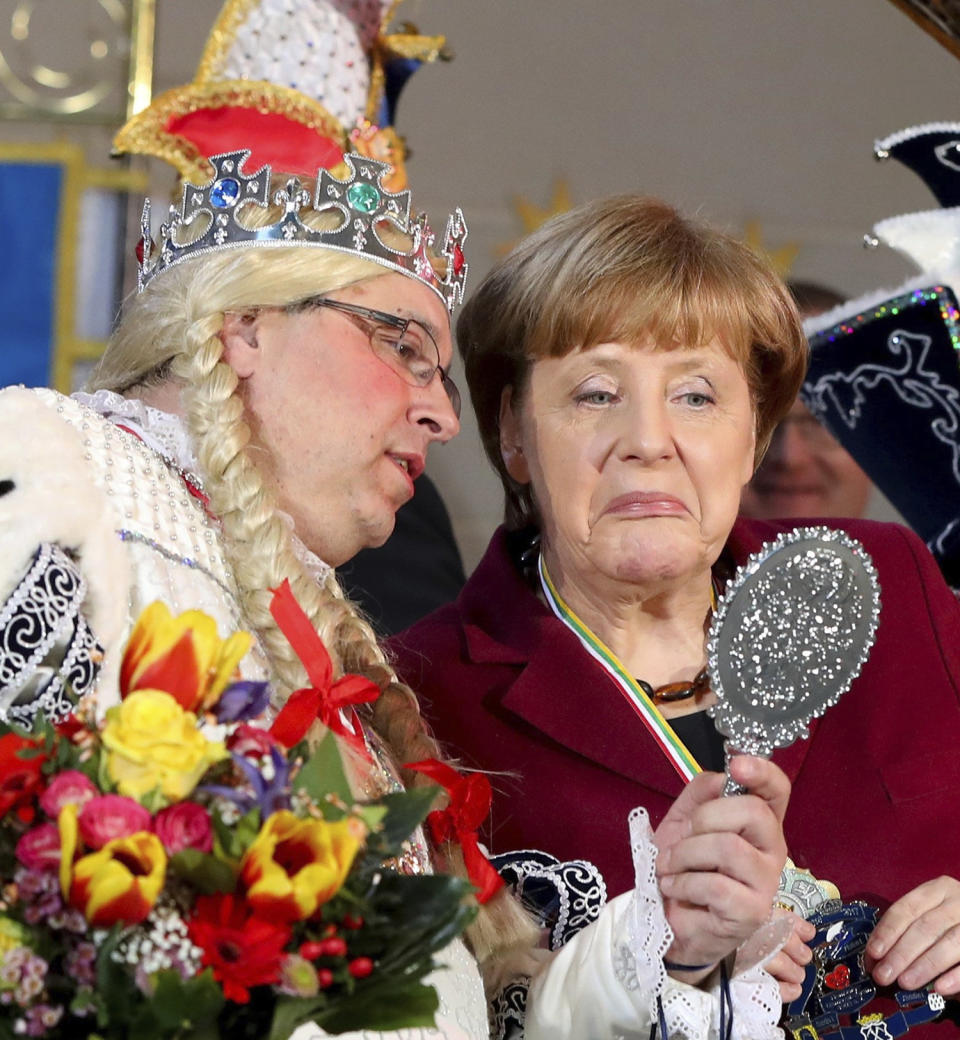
(361, 199)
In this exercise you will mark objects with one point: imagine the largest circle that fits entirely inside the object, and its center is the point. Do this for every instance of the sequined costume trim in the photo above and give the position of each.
(47, 650)
(182, 561)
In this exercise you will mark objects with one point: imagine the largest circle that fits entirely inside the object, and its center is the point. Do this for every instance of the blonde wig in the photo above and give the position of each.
(627, 269)
(171, 332)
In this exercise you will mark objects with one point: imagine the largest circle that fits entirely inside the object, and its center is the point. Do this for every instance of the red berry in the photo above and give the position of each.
(353, 923)
(333, 947)
(330, 929)
(360, 968)
(311, 950)
(325, 978)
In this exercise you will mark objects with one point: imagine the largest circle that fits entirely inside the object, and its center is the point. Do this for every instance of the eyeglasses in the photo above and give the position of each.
(813, 434)
(403, 344)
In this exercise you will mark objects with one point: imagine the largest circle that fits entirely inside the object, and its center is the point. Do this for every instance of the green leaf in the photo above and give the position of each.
(206, 873)
(405, 810)
(372, 815)
(188, 1006)
(153, 800)
(407, 918)
(103, 780)
(397, 1005)
(323, 774)
(233, 840)
(118, 996)
(291, 1012)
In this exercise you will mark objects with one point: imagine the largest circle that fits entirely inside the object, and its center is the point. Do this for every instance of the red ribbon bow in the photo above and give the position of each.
(323, 699)
(470, 799)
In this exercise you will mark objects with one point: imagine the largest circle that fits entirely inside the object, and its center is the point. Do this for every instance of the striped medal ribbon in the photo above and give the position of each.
(668, 742)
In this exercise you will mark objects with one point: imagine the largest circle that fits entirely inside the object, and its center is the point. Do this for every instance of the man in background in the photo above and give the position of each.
(806, 471)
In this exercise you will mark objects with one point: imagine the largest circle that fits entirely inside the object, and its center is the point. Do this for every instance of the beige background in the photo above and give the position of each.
(738, 109)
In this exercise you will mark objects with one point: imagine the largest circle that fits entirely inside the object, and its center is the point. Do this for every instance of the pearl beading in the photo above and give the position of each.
(176, 549)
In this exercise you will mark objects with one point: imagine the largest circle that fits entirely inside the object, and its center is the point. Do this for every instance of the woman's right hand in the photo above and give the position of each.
(719, 861)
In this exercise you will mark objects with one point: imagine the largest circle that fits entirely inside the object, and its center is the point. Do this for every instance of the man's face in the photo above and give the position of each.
(806, 472)
(338, 434)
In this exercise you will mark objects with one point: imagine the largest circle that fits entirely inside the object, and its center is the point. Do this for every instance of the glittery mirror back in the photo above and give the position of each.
(791, 633)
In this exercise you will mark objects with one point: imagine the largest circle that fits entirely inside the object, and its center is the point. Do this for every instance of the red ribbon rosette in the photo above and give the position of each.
(470, 800)
(324, 699)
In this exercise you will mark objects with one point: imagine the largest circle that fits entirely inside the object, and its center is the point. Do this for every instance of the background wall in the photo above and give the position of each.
(741, 110)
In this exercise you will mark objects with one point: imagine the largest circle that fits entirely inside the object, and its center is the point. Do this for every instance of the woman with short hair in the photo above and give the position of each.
(628, 366)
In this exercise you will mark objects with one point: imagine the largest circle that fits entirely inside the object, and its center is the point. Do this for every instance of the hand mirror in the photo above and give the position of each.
(790, 634)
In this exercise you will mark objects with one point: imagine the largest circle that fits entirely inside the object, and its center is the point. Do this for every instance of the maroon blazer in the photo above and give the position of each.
(876, 789)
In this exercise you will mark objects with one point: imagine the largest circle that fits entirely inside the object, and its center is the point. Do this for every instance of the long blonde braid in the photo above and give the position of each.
(259, 547)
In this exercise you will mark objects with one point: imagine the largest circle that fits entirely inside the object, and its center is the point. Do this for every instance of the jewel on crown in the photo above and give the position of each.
(361, 200)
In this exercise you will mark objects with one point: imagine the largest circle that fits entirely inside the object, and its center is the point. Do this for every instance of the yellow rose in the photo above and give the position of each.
(153, 743)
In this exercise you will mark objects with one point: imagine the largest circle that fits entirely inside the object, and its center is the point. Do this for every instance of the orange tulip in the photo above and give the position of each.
(294, 866)
(119, 883)
(182, 655)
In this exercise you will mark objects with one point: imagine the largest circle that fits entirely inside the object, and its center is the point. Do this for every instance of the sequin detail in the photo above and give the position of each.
(182, 561)
(936, 294)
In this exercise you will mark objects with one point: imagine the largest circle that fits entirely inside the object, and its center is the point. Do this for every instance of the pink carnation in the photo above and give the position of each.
(111, 816)
(39, 848)
(185, 825)
(66, 787)
(250, 741)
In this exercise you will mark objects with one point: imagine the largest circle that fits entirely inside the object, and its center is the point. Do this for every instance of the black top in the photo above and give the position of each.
(703, 741)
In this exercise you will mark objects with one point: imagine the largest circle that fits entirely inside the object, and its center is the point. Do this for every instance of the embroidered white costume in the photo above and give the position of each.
(125, 504)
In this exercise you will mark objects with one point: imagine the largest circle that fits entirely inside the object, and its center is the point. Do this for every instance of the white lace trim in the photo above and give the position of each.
(649, 937)
(639, 963)
(167, 434)
(162, 431)
(755, 996)
(648, 934)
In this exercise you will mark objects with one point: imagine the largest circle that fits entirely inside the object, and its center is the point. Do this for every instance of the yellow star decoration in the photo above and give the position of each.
(532, 216)
(781, 257)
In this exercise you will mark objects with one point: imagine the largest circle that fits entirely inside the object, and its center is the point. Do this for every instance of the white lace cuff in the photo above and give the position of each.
(604, 983)
(688, 1011)
(755, 996)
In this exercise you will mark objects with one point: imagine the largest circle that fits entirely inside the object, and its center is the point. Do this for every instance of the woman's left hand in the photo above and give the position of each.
(917, 941)
(789, 965)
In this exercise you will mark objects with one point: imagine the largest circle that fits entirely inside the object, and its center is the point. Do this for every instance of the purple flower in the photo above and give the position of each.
(41, 896)
(81, 963)
(274, 794)
(270, 795)
(41, 1018)
(241, 701)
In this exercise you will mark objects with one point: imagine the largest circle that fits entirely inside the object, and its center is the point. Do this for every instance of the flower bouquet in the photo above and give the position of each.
(172, 870)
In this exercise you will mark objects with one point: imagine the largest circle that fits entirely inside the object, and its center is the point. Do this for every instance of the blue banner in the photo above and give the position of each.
(29, 216)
